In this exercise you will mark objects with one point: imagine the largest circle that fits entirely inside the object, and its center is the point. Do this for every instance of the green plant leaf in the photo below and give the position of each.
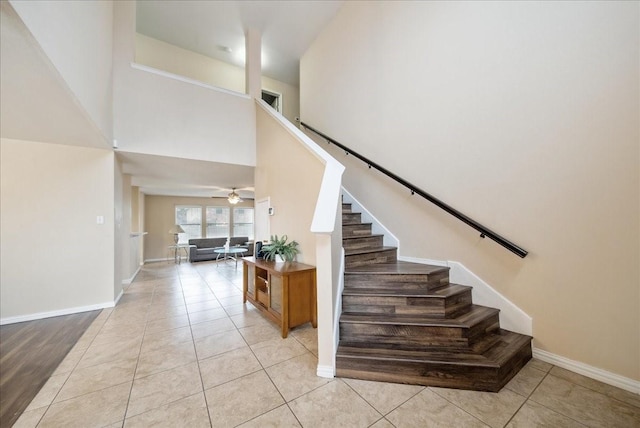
(287, 251)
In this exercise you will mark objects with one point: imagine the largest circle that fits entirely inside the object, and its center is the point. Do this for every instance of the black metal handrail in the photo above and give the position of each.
(484, 231)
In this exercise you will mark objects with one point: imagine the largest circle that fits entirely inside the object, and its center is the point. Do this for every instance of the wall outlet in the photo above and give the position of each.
(100, 219)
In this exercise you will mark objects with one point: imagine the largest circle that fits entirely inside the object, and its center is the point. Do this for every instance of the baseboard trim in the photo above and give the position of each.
(389, 239)
(511, 317)
(130, 280)
(157, 260)
(325, 371)
(115, 303)
(49, 314)
(604, 376)
(423, 261)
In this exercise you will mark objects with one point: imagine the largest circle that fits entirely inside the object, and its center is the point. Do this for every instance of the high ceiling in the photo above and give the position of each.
(28, 78)
(35, 103)
(216, 29)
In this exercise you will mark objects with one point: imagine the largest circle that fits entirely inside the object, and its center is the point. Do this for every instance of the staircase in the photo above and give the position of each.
(404, 322)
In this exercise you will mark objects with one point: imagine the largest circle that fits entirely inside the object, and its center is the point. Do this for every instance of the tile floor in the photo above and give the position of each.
(181, 350)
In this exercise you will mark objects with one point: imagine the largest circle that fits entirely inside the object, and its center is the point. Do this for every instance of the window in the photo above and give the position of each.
(243, 222)
(190, 218)
(217, 222)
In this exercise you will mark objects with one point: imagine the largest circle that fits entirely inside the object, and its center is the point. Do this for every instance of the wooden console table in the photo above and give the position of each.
(285, 292)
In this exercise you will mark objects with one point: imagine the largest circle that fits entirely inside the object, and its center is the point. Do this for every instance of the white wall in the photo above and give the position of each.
(523, 115)
(77, 37)
(54, 256)
(157, 114)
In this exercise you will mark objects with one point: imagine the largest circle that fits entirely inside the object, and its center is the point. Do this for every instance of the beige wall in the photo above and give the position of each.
(160, 215)
(54, 256)
(164, 56)
(290, 176)
(523, 115)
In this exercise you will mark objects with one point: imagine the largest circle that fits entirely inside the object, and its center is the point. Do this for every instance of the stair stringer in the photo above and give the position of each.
(389, 240)
(511, 316)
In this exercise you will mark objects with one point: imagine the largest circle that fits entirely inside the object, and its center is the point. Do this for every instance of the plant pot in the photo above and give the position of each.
(279, 258)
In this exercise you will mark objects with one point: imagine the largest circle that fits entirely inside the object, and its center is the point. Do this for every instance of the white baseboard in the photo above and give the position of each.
(158, 260)
(325, 371)
(49, 314)
(128, 281)
(389, 239)
(511, 317)
(423, 261)
(118, 298)
(589, 371)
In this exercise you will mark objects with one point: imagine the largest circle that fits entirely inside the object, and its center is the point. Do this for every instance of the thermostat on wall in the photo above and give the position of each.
(271, 211)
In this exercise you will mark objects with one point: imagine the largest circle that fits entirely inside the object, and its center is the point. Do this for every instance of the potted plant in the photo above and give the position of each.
(280, 247)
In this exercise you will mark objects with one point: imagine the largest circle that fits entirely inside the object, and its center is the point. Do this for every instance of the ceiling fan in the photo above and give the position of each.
(234, 197)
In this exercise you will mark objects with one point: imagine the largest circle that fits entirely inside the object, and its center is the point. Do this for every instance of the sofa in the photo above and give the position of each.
(204, 247)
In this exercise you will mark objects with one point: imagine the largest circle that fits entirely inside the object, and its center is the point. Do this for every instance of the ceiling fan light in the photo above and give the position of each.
(234, 198)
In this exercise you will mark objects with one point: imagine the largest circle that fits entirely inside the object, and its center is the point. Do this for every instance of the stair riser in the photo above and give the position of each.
(351, 218)
(346, 208)
(412, 343)
(385, 256)
(418, 373)
(356, 229)
(429, 306)
(516, 362)
(390, 333)
(477, 331)
(400, 333)
(363, 242)
(408, 282)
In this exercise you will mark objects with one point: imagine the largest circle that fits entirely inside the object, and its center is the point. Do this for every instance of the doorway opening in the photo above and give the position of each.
(274, 99)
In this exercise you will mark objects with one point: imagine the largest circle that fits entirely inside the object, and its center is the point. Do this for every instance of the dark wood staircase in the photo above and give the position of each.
(404, 322)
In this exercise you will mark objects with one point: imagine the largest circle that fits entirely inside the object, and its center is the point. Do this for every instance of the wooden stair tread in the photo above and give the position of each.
(510, 341)
(446, 357)
(370, 235)
(507, 343)
(442, 292)
(475, 314)
(399, 267)
(351, 252)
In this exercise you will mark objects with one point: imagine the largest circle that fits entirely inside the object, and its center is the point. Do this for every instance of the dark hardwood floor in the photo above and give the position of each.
(29, 353)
